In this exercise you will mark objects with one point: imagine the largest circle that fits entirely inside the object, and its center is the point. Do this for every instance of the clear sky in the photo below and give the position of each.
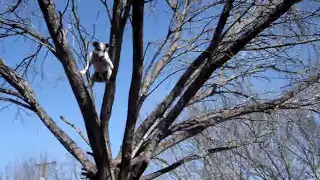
(28, 137)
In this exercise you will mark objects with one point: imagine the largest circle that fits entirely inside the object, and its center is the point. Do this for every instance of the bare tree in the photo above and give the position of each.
(280, 145)
(29, 170)
(217, 54)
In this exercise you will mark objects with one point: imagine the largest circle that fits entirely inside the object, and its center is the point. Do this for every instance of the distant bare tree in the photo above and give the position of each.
(29, 170)
(223, 60)
(275, 146)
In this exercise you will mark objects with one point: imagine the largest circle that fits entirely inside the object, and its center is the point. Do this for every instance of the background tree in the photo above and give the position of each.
(218, 61)
(275, 146)
(29, 169)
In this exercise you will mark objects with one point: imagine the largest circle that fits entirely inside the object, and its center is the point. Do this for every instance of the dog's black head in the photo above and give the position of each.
(99, 46)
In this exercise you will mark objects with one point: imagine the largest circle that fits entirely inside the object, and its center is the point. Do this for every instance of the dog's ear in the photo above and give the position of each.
(95, 43)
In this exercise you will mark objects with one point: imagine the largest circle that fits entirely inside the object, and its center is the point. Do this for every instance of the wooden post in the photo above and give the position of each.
(44, 168)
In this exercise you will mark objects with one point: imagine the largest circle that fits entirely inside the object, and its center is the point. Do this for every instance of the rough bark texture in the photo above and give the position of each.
(133, 109)
(116, 37)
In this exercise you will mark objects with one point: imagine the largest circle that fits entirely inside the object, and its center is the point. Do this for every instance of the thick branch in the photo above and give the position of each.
(85, 102)
(277, 103)
(11, 92)
(226, 52)
(179, 87)
(196, 125)
(224, 56)
(133, 106)
(116, 37)
(184, 160)
(16, 102)
(30, 98)
(171, 167)
(176, 139)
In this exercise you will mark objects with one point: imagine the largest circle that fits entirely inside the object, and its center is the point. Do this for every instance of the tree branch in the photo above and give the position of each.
(12, 8)
(281, 45)
(30, 98)
(179, 86)
(184, 160)
(196, 125)
(11, 92)
(116, 37)
(133, 101)
(76, 129)
(167, 56)
(85, 102)
(16, 102)
(105, 4)
(226, 53)
(24, 30)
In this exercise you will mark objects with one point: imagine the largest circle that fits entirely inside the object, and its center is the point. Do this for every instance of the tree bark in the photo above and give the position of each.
(28, 95)
(133, 105)
(85, 102)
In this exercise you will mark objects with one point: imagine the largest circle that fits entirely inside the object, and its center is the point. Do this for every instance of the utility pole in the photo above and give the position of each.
(44, 168)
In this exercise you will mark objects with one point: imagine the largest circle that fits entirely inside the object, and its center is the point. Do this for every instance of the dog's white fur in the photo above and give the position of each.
(101, 62)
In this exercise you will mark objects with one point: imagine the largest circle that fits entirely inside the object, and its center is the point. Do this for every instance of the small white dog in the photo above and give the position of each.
(101, 62)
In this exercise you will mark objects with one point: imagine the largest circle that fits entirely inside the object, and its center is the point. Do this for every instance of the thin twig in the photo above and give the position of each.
(76, 129)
